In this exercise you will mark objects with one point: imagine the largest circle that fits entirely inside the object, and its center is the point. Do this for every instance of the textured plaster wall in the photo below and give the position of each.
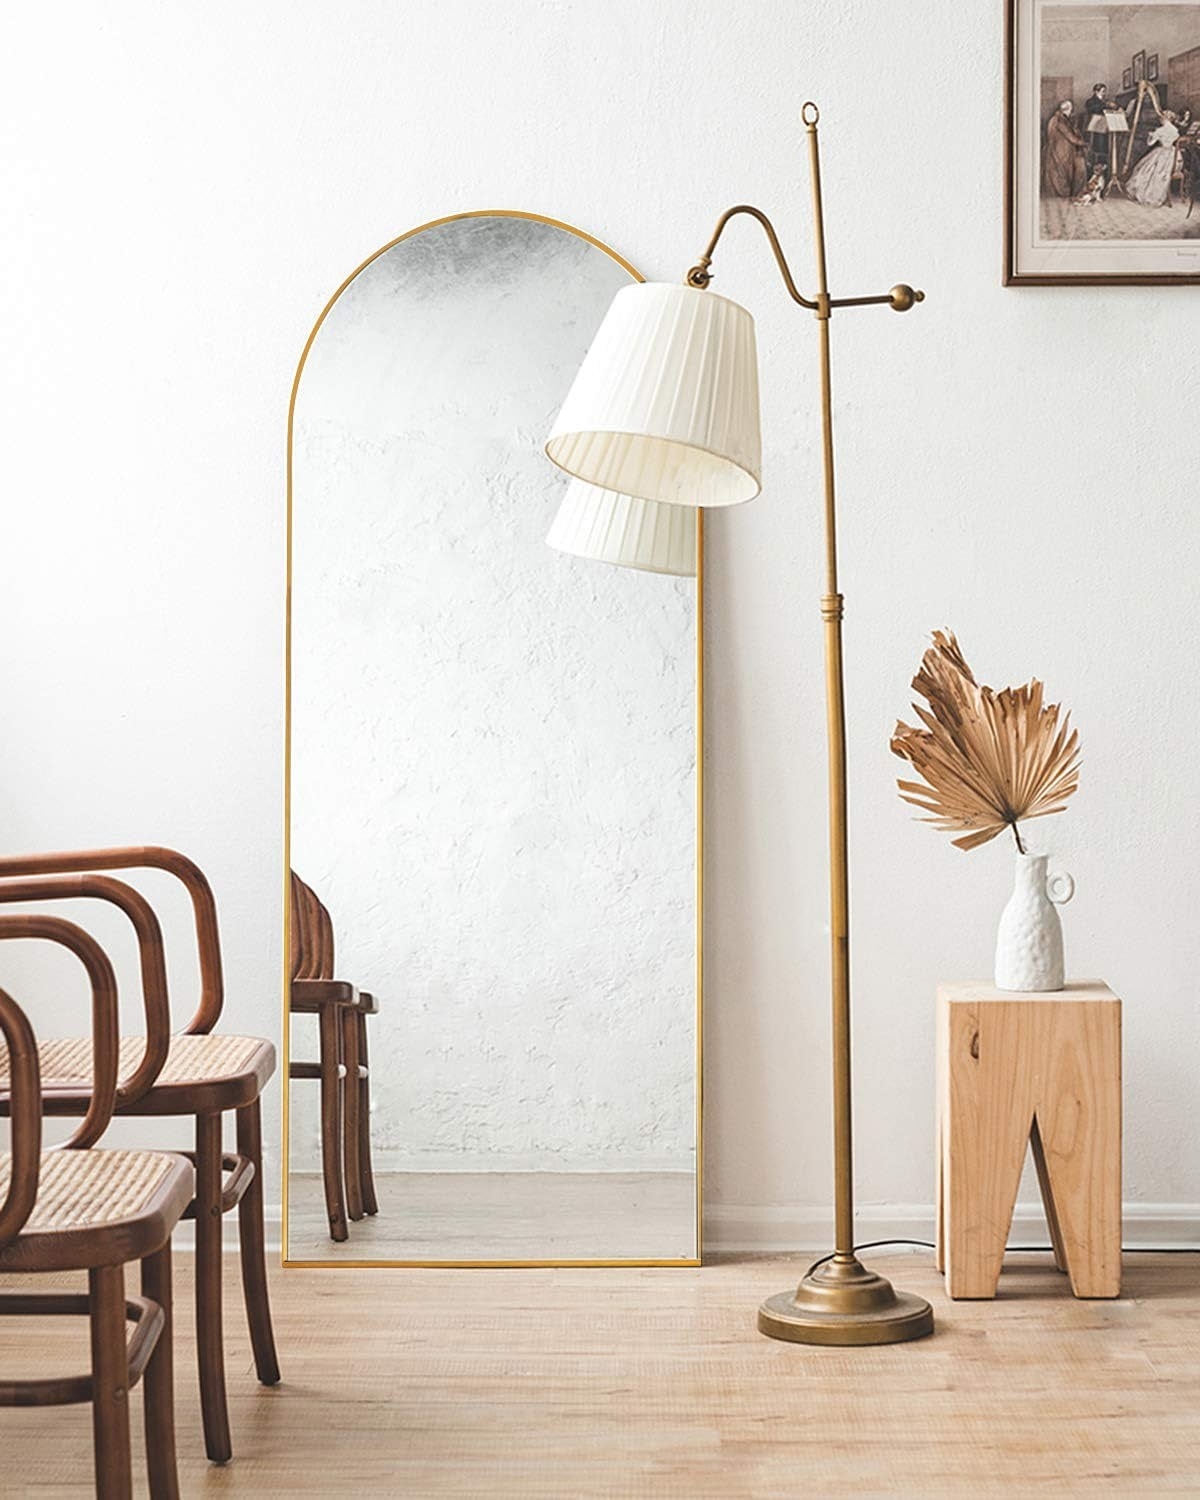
(493, 745)
(184, 187)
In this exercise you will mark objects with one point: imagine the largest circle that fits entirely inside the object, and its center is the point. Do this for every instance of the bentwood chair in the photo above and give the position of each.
(82, 1209)
(343, 1068)
(191, 1074)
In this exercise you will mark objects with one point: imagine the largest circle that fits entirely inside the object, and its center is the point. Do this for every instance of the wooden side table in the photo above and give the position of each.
(1043, 1069)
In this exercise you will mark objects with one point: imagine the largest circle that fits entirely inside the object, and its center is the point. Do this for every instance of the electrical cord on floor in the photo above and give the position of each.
(1016, 1249)
(872, 1245)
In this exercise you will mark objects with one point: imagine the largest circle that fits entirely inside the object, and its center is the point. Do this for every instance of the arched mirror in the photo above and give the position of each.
(493, 789)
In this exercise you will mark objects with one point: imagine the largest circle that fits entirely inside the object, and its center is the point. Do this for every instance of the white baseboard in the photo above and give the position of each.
(184, 1238)
(746, 1229)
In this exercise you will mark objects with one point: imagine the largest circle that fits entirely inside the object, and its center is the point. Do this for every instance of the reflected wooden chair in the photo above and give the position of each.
(193, 1074)
(343, 1068)
(83, 1209)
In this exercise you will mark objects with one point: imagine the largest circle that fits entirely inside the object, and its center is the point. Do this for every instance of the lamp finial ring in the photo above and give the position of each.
(810, 114)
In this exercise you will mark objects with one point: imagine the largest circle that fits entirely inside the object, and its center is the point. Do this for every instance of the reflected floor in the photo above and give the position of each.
(504, 1216)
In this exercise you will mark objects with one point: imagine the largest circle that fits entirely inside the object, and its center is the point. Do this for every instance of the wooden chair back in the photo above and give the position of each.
(25, 1109)
(147, 857)
(25, 1089)
(155, 999)
(311, 953)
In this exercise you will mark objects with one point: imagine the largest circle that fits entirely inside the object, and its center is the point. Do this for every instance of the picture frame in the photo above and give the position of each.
(1126, 80)
(1152, 68)
(1083, 205)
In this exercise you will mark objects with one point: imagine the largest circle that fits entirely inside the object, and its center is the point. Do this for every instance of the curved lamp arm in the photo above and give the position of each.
(150, 950)
(900, 299)
(106, 1039)
(699, 276)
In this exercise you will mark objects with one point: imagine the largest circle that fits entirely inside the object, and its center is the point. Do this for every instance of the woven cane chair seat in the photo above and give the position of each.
(193, 1062)
(68, 1060)
(81, 1195)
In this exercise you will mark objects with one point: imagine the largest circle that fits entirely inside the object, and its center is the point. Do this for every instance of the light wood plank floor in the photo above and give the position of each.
(504, 1216)
(552, 1385)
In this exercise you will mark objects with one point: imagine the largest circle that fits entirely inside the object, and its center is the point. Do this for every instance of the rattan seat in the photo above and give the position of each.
(83, 1197)
(230, 1069)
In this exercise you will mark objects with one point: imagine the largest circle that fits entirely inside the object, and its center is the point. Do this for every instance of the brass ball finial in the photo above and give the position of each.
(903, 297)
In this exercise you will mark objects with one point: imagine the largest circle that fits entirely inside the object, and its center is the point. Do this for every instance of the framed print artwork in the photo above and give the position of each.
(1101, 177)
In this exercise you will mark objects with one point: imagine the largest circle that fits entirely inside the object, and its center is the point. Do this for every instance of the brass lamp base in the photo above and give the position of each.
(841, 1302)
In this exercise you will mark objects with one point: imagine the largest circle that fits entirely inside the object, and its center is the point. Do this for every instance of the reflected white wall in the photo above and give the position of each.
(494, 745)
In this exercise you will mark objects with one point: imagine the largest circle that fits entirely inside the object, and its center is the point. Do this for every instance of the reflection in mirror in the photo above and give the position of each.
(493, 789)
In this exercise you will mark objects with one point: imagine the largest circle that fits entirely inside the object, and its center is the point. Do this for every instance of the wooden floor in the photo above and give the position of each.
(552, 1385)
(504, 1216)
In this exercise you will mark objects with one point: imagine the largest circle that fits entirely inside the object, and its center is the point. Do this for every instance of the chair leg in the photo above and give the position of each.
(331, 1121)
(351, 1096)
(210, 1343)
(158, 1383)
(366, 1175)
(110, 1383)
(252, 1242)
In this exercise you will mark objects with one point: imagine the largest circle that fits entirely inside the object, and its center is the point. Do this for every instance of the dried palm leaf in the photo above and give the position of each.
(988, 759)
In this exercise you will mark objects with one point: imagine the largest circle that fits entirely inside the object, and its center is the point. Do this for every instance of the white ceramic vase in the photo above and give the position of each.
(1029, 945)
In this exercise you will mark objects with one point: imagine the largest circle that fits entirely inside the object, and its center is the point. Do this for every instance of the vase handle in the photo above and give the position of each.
(1060, 887)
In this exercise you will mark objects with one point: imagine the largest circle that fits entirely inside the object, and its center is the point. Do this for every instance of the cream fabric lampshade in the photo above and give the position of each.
(622, 529)
(665, 406)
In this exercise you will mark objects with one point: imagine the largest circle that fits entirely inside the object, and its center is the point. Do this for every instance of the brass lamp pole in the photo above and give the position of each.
(839, 1301)
(663, 413)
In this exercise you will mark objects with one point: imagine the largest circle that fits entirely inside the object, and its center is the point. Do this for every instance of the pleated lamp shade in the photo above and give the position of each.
(622, 529)
(665, 406)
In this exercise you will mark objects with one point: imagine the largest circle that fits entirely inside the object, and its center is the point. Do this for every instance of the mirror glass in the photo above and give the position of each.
(492, 788)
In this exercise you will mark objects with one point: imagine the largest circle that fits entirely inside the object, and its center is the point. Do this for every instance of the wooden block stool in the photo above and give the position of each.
(1043, 1069)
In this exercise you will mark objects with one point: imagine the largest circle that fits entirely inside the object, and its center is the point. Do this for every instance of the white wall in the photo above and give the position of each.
(187, 186)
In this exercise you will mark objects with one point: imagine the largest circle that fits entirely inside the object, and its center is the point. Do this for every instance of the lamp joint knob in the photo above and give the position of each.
(832, 606)
(903, 297)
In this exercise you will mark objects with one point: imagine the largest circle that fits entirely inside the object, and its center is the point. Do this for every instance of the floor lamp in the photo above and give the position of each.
(664, 411)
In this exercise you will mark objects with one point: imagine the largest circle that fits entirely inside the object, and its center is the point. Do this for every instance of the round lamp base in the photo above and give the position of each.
(841, 1302)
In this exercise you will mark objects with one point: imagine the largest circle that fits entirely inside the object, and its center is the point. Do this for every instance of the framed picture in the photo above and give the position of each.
(1152, 68)
(1127, 80)
(1091, 194)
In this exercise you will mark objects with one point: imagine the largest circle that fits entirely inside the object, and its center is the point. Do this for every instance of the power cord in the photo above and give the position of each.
(1015, 1250)
(873, 1245)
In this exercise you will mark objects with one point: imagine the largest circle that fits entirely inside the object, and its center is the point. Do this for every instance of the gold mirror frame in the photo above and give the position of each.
(495, 213)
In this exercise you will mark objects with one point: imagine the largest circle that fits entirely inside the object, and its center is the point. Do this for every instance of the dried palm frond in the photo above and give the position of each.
(989, 760)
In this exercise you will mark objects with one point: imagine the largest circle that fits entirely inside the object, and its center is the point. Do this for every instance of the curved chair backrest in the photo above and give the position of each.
(25, 1109)
(148, 857)
(311, 934)
(150, 948)
(106, 1037)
